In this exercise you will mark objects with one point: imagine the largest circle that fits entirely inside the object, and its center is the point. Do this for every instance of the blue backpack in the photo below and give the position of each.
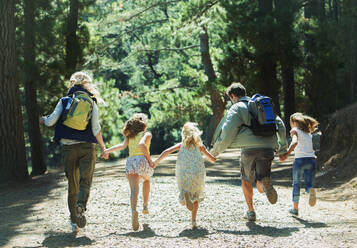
(263, 117)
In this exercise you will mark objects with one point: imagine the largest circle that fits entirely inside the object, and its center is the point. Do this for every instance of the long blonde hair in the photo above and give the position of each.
(304, 122)
(191, 135)
(83, 79)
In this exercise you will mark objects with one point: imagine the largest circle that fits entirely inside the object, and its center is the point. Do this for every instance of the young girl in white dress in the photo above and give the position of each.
(190, 169)
(139, 164)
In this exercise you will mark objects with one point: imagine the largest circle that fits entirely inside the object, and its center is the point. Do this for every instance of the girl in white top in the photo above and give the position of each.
(190, 169)
(304, 159)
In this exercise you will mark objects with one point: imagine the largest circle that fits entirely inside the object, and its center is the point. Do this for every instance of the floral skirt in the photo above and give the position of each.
(138, 165)
(190, 180)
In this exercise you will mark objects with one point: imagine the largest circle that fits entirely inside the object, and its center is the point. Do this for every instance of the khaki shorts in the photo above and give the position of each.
(255, 164)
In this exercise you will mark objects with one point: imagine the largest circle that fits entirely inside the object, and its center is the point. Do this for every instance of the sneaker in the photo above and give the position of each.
(294, 211)
(145, 210)
(194, 225)
(250, 216)
(189, 203)
(75, 228)
(269, 190)
(135, 220)
(81, 219)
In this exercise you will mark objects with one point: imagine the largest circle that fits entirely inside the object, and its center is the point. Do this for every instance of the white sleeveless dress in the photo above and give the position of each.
(190, 174)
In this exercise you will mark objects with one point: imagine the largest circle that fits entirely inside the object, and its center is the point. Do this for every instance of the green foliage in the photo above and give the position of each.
(170, 111)
(146, 57)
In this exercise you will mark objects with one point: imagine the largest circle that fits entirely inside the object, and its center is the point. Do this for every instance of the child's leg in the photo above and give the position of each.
(297, 176)
(146, 191)
(134, 190)
(309, 175)
(189, 204)
(194, 213)
(134, 193)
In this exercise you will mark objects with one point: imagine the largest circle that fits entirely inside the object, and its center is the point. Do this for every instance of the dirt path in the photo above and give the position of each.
(35, 214)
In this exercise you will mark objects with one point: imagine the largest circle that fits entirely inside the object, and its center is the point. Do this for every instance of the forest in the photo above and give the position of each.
(170, 59)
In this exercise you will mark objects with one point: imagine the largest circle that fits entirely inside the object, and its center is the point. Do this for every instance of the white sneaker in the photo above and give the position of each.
(75, 228)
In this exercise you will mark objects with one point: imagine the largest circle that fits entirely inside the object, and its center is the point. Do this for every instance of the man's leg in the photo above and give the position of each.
(263, 171)
(259, 186)
(247, 164)
(248, 194)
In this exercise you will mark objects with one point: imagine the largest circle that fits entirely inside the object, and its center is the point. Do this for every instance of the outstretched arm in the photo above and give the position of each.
(165, 153)
(118, 147)
(292, 146)
(208, 155)
(144, 146)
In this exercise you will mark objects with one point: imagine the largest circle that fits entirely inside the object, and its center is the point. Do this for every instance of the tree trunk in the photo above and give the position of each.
(353, 51)
(335, 10)
(289, 92)
(286, 56)
(73, 49)
(266, 59)
(38, 163)
(12, 150)
(218, 105)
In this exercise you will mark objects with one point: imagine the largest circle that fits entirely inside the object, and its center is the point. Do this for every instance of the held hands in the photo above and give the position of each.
(155, 162)
(283, 157)
(151, 164)
(104, 153)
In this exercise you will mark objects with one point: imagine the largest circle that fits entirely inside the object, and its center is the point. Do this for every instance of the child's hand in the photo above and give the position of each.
(155, 162)
(151, 164)
(283, 157)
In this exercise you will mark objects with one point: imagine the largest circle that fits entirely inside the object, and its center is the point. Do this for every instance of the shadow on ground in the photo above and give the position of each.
(310, 224)
(19, 202)
(147, 232)
(256, 229)
(54, 239)
(194, 233)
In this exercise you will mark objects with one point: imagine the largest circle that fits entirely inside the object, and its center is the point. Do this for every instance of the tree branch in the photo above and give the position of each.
(149, 8)
(168, 49)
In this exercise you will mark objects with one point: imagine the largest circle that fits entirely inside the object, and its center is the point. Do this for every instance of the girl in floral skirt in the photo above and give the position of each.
(139, 164)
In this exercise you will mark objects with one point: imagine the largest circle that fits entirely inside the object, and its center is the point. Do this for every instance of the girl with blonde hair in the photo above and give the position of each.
(139, 164)
(190, 169)
(304, 158)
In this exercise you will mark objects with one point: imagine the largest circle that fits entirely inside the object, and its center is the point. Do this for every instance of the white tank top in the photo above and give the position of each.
(304, 147)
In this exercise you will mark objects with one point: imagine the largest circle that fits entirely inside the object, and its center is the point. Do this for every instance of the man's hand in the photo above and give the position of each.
(214, 153)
